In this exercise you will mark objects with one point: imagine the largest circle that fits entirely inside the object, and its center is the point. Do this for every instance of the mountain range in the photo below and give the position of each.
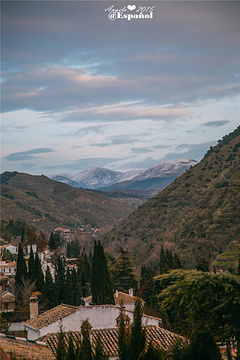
(198, 214)
(156, 177)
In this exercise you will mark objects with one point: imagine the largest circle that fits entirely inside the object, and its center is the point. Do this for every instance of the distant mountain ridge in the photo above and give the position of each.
(105, 179)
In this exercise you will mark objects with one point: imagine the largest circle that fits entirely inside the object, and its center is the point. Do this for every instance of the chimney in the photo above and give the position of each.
(33, 307)
(130, 291)
(116, 293)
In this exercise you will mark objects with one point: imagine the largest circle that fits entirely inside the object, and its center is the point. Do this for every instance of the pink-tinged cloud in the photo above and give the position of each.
(127, 111)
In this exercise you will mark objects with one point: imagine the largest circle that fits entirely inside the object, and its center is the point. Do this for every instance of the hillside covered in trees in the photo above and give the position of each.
(197, 215)
(46, 204)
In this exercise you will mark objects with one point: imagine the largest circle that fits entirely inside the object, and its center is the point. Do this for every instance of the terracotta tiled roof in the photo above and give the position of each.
(51, 316)
(25, 349)
(6, 296)
(10, 264)
(122, 298)
(159, 337)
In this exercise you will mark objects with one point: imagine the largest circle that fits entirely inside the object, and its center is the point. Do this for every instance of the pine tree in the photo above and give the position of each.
(148, 290)
(177, 262)
(203, 265)
(124, 277)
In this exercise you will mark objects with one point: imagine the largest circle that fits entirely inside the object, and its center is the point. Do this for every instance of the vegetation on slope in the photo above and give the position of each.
(46, 204)
(197, 215)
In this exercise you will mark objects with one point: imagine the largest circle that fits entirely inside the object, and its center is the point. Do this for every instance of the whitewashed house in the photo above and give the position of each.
(99, 316)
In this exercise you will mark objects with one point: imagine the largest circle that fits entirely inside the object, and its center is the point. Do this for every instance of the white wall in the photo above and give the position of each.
(100, 317)
(17, 326)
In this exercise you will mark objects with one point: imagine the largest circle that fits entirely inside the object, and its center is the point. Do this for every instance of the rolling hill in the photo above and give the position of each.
(197, 214)
(47, 204)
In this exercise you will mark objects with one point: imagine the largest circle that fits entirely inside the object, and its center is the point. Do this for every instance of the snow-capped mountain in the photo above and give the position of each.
(97, 177)
(167, 168)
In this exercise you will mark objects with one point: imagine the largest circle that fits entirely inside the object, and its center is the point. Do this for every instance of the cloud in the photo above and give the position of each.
(141, 150)
(216, 123)
(192, 151)
(27, 155)
(82, 164)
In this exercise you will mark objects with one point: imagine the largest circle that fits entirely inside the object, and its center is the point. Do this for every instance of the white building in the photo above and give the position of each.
(12, 248)
(99, 316)
(124, 300)
(8, 268)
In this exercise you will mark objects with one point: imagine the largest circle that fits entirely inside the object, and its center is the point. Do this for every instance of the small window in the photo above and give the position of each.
(6, 306)
(10, 270)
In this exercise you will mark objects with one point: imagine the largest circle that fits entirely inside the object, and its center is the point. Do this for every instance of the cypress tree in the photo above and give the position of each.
(164, 267)
(123, 339)
(31, 266)
(60, 280)
(50, 289)
(39, 277)
(102, 292)
(138, 337)
(238, 269)
(99, 352)
(71, 355)
(61, 344)
(69, 295)
(52, 243)
(85, 351)
(21, 274)
(21, 271)
(22, 235)
(203, 265)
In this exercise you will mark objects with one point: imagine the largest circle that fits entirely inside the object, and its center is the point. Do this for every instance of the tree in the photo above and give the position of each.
(123, 339)
(22, 235)
(238, 269)
(60, 280)
(211, 302)
(138, 337)
(124, 277)
(71, 355)
(85, 350)
(69, 289)
(21, 274)
(102, 292)
(38, 274)
(31, 236)
(50, 290)
(61, 344)
(203, 264)
(52, 243)
(99, 352)
(164, 266)
(148, 290)
(31, 265)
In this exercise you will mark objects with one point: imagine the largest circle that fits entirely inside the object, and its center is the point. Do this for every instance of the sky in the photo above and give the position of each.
(80, 89)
